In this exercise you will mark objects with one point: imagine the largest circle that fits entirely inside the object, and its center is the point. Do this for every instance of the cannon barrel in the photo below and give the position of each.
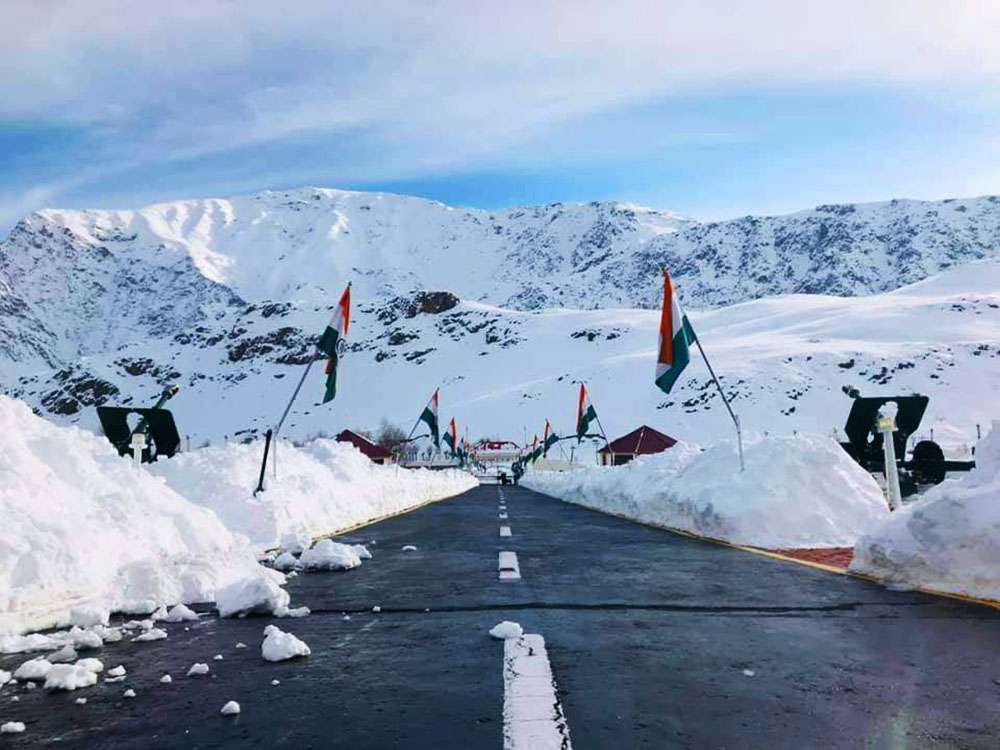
(168, 393)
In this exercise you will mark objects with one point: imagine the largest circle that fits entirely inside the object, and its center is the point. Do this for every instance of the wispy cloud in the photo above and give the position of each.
(438, 86)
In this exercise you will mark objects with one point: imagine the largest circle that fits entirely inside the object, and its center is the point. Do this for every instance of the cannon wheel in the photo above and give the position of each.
(928, 462)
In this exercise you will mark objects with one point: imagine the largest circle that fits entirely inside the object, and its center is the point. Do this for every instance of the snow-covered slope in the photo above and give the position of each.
(225, 297)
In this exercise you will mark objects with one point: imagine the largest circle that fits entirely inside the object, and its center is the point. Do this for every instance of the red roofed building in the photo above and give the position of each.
(641, 442)
(376, 453)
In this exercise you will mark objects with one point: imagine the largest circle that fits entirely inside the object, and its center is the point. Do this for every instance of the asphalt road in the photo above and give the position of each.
(655, 640)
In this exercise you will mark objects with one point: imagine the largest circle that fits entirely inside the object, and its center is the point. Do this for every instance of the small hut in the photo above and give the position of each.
(376, 453)
(641, 442)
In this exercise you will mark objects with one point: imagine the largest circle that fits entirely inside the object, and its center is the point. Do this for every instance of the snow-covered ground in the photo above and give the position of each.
(85, 527)
(797, 491)
(949, 539)
(321, 488)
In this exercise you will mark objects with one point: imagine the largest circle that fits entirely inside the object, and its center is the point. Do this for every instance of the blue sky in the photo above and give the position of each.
(711, 109)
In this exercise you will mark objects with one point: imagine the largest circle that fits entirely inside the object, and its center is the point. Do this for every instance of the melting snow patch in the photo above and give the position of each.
(218, 657)
(166, 679)
(197, 668)
(409, 548)
(361, 551)
(35, 669)
(181, 613)
(153, 634)
(275, 682)
(65, 654)
(80, 701)
(69, 677)
(327, 554)
(749, 672)
(4, 677)
(118, 671)
(130, 693)
(279, 645)
(86, 617)
(230, 709)
(295, 543)
(241, 645)
(285, 561)
(255, 595)
(94, 665)
(12, 727)
(506, 629)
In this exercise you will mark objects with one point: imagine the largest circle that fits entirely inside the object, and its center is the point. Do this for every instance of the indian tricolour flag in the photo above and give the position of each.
(451, 436)
(585, 413)
(333, 339)
(430, 416)
(676, 335)
(533, 456)
(548, 439)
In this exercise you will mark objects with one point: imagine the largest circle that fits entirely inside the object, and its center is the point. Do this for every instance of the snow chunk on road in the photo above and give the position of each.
(949, 539)
(153, 634)
(197, 669)
(12, 727)
(69, 677)
(285, 561)
(256, 595)
(5, 677)
(166, 679)
(279, 645)
(230, 709)
(797, 491)
(118, 671)
(327, 554)
(84, 639)
(506, 629)
(83, 524)
(295, 543)
(94, 665)
(65, 654)
(181, 613)
(130, 693)
(34, 669)
(409, 548)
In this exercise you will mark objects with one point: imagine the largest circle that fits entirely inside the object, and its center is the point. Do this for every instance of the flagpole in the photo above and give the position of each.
(273, 434)
(607, 443)
(736, 420)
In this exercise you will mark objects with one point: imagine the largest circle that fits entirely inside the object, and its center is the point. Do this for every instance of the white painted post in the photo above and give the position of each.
(887, 426)
(138, 443)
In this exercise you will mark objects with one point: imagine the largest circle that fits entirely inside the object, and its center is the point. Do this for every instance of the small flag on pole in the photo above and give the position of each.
(451, 437)
(548, 439)
(535, 450)
(430, 416)
(333, 339)
(585, 413)
(676, 335)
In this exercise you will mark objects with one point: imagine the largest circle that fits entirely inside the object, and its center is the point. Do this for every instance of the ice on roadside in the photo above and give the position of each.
(506, 629)
(33, 669)
(65, 654)
(279, 645)
(85, 639)
(256, 595)
(198, 668)
(69, 677)
(294, 612)
(286, 561)
(327, 554)
(295, 542)
(153, 634)
(85, 617)
(181, 613)
(94, 665)
(230, 709)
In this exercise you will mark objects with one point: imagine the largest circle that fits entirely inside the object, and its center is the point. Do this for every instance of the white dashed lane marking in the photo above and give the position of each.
(508, 567)
(505, 531)
(532, 715)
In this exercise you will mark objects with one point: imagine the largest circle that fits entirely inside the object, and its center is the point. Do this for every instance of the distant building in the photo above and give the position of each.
(641, 442)
(376, 453)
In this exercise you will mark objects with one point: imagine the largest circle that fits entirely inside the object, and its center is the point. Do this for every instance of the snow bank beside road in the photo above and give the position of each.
(801, 491)
(321, 488)
(82, 526)
(949, 540)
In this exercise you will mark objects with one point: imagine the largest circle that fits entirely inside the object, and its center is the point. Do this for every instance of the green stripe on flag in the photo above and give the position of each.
(428, 416)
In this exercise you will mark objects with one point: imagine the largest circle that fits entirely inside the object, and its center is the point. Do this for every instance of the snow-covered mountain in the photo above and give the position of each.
(225, 297)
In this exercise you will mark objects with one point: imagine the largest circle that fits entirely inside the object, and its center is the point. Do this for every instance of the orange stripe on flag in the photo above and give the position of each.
(666, 354)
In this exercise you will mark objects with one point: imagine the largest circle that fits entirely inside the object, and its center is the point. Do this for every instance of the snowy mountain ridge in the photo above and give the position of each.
(225, 298)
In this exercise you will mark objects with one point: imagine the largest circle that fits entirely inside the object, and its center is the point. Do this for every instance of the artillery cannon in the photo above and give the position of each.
(926, 465)
(155, 434)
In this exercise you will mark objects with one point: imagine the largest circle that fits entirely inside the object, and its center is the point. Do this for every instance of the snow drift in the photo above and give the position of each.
(82, 526)
(800, 491)
(949, 540)
(321, 488)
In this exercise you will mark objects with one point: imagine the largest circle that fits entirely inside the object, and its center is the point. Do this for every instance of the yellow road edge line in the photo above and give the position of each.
(992, 603)
(361, 524)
